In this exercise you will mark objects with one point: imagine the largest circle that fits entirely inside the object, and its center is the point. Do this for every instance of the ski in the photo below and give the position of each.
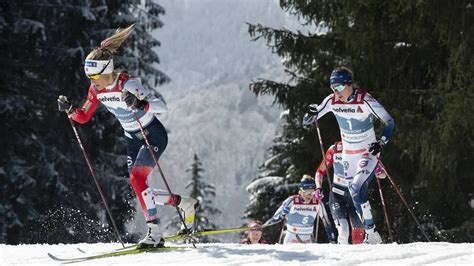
(212, 232)
(116, 253)
(205, 233)
(133, 249)
(194, 234)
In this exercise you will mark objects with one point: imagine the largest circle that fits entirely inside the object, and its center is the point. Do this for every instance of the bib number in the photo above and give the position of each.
(305, 220)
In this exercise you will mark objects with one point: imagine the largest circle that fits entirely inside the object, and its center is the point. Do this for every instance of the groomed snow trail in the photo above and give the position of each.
(234, 254)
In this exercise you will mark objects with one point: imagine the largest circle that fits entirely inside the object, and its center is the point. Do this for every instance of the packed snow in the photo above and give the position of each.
(235, 254)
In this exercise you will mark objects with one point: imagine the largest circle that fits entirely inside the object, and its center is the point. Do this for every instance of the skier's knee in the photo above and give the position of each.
(139, 175)
(358, 194)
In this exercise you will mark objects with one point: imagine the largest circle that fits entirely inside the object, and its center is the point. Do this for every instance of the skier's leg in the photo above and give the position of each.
(358, 190)
(359, 187)
(186, 205)
(358, 232)
(357, 235)
(138, 174)
(327, 223)
(144, 163)
(343, 232)
(337, 201)
(289, 238)
(292, 238)
(305, 239)
(141, 164)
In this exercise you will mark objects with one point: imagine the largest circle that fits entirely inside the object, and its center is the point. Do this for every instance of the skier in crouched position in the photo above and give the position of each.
(301, 212)
(122, 94)
(355, 111)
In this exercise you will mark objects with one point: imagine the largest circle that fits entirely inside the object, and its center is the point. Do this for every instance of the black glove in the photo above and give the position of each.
(376, 147)
(311, 115)
(313, 109)
(64, 105)
(132, 101)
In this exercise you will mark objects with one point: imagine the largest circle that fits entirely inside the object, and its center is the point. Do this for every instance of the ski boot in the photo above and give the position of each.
(153, 238)
(372, 237)
(188, 207)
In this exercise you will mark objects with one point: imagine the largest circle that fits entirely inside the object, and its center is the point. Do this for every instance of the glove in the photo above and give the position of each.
(318, 194)
(132, 101)
(308, 119)
(313, 109)
(64, 105)
(376, 147)
(311, 115)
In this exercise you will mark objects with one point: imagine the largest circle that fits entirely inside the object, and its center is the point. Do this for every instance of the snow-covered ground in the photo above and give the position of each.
(234, 254)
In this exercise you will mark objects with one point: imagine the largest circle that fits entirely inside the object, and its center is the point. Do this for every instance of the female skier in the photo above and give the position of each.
(123, 94)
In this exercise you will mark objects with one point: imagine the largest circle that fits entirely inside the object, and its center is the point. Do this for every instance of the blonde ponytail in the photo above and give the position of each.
(109, 46)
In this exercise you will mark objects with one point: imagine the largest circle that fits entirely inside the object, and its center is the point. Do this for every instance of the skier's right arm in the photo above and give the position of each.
(321, 170)
(84, 114)
(317, 111)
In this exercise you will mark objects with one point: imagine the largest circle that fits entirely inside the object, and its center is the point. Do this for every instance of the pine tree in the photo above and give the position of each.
(416, 59)
(202, 191)
(47, 192)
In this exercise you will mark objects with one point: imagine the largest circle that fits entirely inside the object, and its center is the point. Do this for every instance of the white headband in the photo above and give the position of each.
(92, 67)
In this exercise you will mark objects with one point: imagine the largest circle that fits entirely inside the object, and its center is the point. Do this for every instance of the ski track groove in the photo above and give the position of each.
(387, 258)
(444, 257)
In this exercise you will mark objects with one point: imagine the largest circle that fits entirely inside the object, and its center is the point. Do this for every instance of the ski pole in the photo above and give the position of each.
(282, 232)
(387, 221)
(326, 222)
(317, 227)
(161, 173)
(95, 180)
(404, 202)
(321, 146)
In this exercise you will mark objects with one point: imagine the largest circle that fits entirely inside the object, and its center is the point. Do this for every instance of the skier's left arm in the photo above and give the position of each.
(137, 96)
(380, 113)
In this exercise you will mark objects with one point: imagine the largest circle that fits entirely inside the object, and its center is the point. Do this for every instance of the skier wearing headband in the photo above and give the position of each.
(301, 211)
(122, 94)
(355, 111)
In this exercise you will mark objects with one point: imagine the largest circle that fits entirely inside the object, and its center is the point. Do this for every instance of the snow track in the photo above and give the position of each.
(234, 254)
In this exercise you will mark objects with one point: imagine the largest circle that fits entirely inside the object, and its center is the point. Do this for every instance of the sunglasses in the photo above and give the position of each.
(307, 191)
(97, 76)
(337, 87)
